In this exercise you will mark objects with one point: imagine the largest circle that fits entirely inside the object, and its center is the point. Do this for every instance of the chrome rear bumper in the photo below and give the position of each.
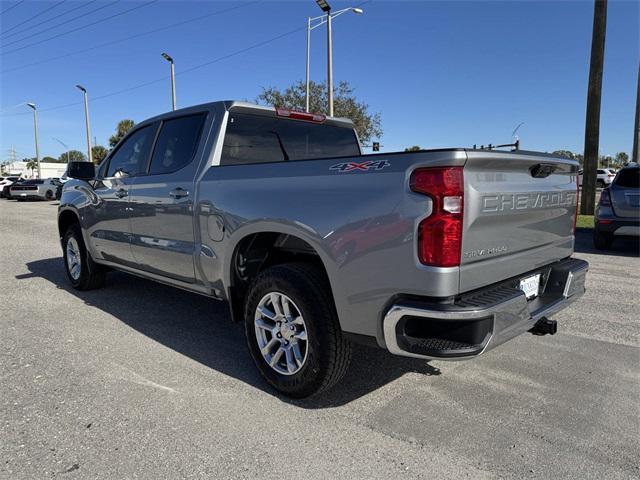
(480, 320)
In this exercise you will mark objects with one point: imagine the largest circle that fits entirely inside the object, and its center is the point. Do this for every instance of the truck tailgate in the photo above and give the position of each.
(519, 213)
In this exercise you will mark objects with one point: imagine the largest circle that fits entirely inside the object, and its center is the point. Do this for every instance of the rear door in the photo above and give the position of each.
(161, 204)
(625, 193)
(108, 219)
(518, 215)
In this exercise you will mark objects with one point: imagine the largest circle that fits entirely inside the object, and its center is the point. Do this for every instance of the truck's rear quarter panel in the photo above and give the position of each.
(361, 223)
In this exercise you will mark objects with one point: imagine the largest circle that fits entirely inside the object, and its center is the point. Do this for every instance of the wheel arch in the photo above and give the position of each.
(259, 248)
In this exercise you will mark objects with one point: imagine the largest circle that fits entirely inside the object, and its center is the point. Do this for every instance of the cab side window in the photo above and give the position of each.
(131, 157)
(177, 144)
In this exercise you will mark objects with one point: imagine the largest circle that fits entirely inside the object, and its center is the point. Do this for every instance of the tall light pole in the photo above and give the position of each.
(173, 79)
(635, 154)
(65, 146)
(327, 18)
(35, 129)
(306, 94)
(86, 119)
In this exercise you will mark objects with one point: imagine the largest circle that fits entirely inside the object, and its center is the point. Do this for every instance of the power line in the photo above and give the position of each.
(35, 16)
(164, 78)
(148, 32)
(73, 9)
(11, 7)
(188, 70)
(54, 27)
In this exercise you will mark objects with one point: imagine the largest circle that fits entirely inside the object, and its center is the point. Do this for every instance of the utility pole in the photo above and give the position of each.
(635, 154)
(594, 96)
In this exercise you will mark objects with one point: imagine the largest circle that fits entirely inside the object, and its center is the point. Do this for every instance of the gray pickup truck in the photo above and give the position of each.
(437, 254)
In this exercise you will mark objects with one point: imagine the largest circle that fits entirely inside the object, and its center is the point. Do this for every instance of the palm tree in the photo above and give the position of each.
(594, 95)
(32, 165)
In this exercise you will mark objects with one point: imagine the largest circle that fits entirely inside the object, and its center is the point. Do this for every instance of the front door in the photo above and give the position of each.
(161, 202)
(108, 217)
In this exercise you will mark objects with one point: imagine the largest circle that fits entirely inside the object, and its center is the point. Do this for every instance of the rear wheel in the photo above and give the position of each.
(82, 271)
(293, 332)
(600, 183)
(602, 240)
(49, 195)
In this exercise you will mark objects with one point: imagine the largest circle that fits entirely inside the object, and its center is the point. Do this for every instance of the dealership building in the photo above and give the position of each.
(48, 169)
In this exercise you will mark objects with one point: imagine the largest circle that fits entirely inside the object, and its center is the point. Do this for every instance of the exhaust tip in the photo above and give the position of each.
(544, 326)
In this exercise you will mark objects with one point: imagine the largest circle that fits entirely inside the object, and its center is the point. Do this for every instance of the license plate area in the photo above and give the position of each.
(530, 286)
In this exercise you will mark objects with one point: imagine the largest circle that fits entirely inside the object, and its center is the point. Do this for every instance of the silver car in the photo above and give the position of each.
(618, 212)
(44, 189)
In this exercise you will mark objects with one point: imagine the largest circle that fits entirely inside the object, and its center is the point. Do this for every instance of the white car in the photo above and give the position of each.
(604, 178)
(44, 189)
(6, 181)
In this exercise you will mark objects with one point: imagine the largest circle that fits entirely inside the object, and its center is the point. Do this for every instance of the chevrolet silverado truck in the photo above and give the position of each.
(436, 254)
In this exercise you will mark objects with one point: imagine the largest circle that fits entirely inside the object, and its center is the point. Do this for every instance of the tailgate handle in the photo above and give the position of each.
(542, 170)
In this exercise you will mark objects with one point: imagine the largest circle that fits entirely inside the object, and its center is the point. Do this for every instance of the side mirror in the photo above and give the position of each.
(81, 170)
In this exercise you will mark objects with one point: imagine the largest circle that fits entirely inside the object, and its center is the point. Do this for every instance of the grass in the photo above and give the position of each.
(585, 221)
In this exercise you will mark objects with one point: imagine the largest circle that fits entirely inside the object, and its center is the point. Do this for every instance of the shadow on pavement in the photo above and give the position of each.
(621, 247)
(201, 329)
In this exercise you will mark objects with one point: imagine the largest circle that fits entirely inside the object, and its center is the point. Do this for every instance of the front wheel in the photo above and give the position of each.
(293, 332)
(82, 271)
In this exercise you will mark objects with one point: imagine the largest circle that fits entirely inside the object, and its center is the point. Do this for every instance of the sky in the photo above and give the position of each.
(441, 74)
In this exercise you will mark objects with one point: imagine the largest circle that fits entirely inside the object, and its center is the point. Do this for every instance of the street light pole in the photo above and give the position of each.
(35, 129)
(65, 146)
(306, 97)
(86, 119)
(327, 18)
(173, 79)
(329, 64)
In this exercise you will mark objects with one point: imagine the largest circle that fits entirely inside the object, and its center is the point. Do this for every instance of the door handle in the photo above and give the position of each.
(121, 193)
(179, 193)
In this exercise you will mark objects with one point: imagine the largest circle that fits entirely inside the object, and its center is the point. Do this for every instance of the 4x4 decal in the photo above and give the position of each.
(360, 167)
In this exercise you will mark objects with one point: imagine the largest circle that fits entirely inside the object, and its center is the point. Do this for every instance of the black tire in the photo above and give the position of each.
(602, 240)
(49, 195)
(600, 183)
(328, 352)
(91, 275)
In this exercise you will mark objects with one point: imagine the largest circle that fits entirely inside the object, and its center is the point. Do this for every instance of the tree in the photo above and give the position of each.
(98, 152)
(50, 160)
(121, 130)
(622, 159)
(72, 156)
(594, 97)
(565, 154)
(415, 148)
(368, 125)
(32, 164)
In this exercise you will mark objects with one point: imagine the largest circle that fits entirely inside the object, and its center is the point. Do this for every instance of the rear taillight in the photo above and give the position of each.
(440, 234)
(605, 199)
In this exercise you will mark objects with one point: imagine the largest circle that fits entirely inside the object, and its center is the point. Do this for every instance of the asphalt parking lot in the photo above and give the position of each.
(139, 380)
